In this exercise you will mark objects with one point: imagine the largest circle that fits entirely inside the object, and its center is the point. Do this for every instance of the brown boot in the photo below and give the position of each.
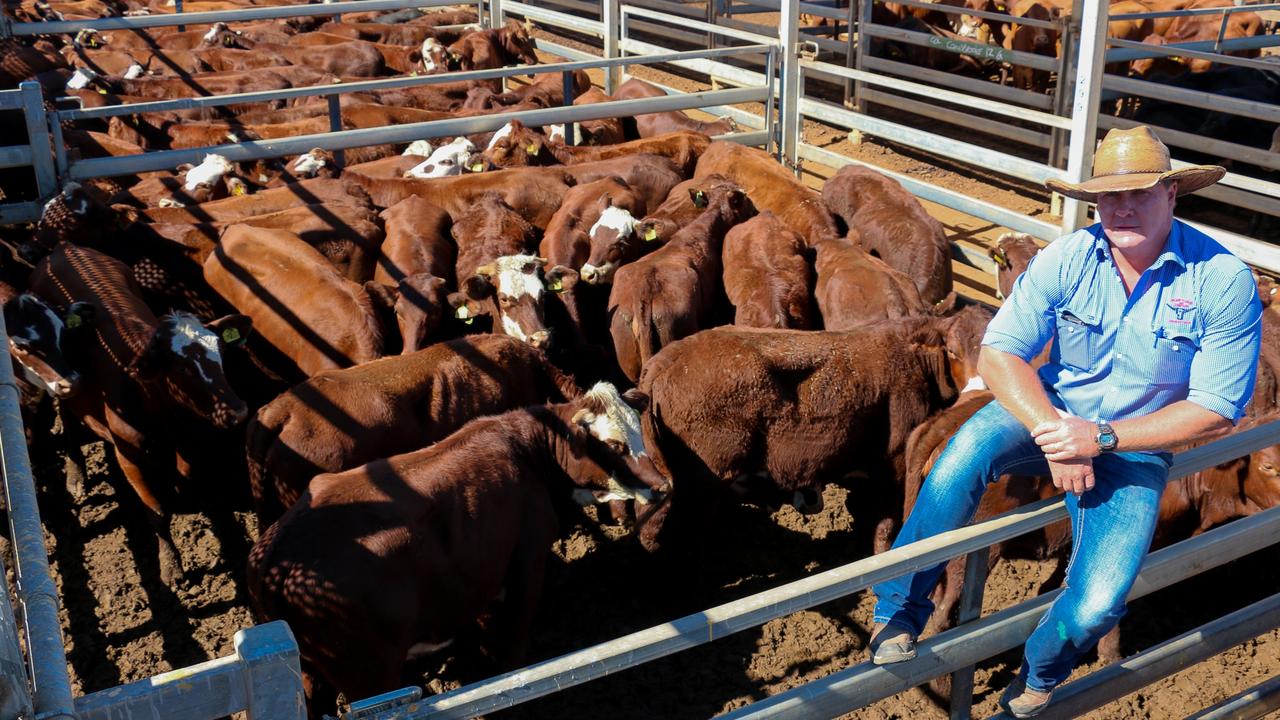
(1021, 701)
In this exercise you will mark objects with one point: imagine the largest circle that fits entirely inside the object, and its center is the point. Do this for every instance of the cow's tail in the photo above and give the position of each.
(649, 338)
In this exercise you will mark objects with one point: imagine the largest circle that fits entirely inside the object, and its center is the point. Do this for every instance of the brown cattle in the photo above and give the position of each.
(799, 408)
(673, 292)
(546, 90)
(301, 306)
(342, 419)
(1012, 254)
(376, 564)
(771, 187)
(606, 131)
(487, 49)
(650, 177)
(893, 226)
(1197, 28)
(1037, 40)
(418, 241)
(151, 387)
(166, 88)
(535, 193)
(23, 61)
(497, 275)
(682, 205)
(568, 238)
(526, 146)
(854, 287)
(660, 123)
(325, 191)
(766, 275)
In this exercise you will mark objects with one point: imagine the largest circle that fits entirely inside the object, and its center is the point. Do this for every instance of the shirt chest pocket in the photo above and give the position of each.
(1173, 355)
(1077, 338)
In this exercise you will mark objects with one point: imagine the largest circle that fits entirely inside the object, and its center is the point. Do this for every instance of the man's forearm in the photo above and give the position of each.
(1170, 426)
(1016, 386)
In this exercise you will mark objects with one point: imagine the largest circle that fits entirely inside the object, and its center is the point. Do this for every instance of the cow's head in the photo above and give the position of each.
(420, 304)
(610, 461)
(187, 357)
(421, 148)
(513, 288)
(221, 36)
(37, 341)
(962, 333)
(77, 214)
(311, 163)
(208, 173)
(446, 160)
(610, 236)
(436, 58)
(1012, 254)
(518, 147)
(517, 42)
(89, 38)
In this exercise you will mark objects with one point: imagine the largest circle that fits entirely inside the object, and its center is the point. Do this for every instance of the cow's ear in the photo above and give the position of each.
(1000, 258)
(464, 308)
(698, 197)
(946, 305)
(79, 314)
(638, 400)
(561, 279)
(232, 330)
(478, 286)
(383, 296)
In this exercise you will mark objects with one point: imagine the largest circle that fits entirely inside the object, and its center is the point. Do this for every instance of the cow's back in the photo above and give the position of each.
(299, 302)
(344, 418)
(771, 187)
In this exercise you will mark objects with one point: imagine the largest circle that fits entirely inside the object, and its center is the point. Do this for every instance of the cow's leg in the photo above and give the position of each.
(133, 459)
(523, 588)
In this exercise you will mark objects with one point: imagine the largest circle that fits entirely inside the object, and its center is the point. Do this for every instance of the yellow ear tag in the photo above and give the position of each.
(230, 335)
(237, 189)
(468, 320)
(651, 234)
(462, 313)
(532, 149)
(999, 257)
(478, 167)
(556, 285)
(101, 91)
(74, 321)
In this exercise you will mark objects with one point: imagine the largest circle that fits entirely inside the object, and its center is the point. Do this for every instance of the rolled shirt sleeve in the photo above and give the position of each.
(1224, 371)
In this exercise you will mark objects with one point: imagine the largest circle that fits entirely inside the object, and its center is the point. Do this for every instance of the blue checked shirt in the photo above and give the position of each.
(1190, 331)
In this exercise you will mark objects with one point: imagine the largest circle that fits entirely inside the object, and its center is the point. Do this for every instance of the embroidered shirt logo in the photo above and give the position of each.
(1181, 306)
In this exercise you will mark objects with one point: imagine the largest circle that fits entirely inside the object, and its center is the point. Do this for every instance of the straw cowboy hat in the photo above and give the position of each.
(1134, 160)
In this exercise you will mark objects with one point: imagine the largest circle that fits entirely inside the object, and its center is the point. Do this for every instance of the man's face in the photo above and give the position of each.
(1136, 217)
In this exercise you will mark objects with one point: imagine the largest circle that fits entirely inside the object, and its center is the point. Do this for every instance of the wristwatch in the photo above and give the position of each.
(1107, 440)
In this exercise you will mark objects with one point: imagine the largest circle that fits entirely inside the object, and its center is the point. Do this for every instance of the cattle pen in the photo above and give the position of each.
(747, 65)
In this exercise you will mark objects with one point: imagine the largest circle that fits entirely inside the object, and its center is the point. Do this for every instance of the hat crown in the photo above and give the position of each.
(1123, 152)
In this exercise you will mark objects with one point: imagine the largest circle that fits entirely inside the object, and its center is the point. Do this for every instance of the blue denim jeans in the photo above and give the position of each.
(1111, 527)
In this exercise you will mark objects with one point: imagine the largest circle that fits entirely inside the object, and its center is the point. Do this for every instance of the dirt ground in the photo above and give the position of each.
(122, 624)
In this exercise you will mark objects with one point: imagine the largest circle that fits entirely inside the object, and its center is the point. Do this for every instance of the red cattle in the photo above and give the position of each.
(660, 123)
(301, 306)
(854, 287)
(672, 292)
(771, 187)
(151, 387)
(766, 274)
(1012, 254)
(375, 565)
(485, 49)
(342, 419)
(568, 238)
(497, 275)
(535, 193)
(799, 408)
(893, 226)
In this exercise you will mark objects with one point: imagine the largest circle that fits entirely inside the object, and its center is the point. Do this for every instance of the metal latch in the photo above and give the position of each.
(807, 50)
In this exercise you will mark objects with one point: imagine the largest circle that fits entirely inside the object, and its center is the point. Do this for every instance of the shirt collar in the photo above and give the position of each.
(1172, 246)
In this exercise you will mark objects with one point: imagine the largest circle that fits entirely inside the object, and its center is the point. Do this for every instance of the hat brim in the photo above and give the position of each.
(1189, 179)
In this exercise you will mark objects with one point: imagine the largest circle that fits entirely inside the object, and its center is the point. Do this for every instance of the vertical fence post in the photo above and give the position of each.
(1070, 30)
(495, 14)
(567, 79)
(36, 592)
(609, 18)
(975, 582)
(38, 137)
(177, 8)
(270, 653)
(850, 48)
(335, 124)
(770, 105)
(863, 47)
(1084, 109)
(15, 696)
(787, 36)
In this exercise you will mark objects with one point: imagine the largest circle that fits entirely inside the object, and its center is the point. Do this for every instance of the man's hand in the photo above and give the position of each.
(1066, 439)
(1072, 476)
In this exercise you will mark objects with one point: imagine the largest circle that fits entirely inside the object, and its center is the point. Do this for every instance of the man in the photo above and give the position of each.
(1155, 330)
